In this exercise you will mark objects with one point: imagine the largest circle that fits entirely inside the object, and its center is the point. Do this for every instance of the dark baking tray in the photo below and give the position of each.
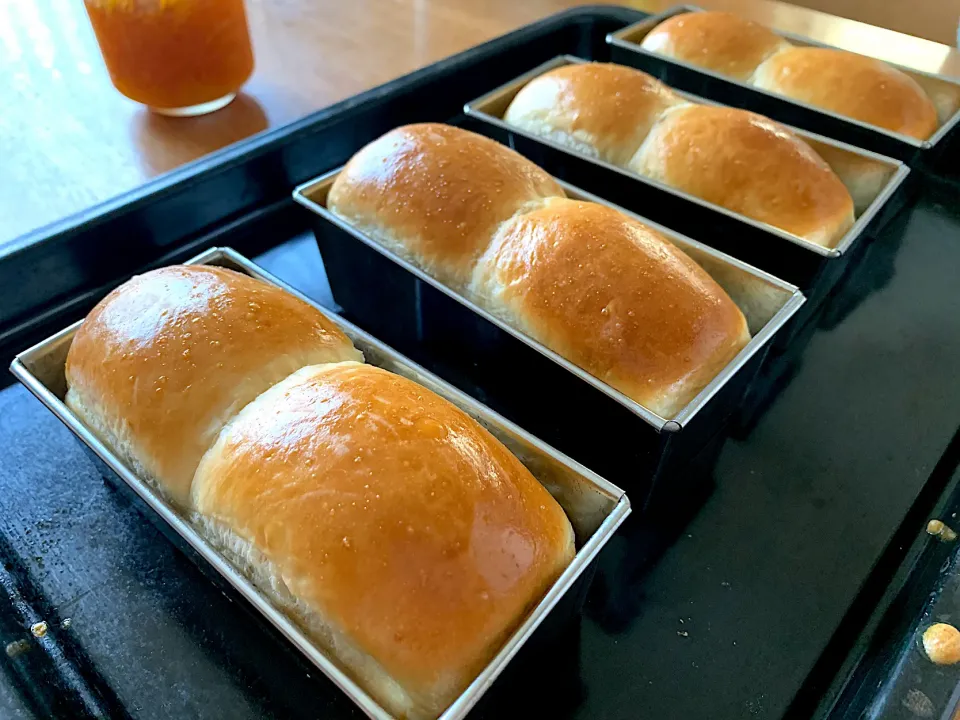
(625, 48)
(743, 597)
(888, 676)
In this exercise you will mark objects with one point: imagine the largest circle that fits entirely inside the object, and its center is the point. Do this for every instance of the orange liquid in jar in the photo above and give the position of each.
(172, 54)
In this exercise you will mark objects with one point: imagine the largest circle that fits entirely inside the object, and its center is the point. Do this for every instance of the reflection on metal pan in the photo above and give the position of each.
(491, 107)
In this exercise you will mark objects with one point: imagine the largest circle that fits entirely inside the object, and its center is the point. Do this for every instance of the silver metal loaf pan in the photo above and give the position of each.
(786, 255)
(595, 507)
(531, 384)
(944, 91)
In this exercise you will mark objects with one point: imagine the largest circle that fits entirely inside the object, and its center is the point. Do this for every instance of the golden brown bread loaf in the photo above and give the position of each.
(405, 538)
(614, 297)
(162, 363)
(732, 158)
(444, 190)
(852, 85)
(664, 328)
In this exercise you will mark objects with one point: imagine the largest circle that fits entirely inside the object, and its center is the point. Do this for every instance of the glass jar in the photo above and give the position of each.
(178, 57)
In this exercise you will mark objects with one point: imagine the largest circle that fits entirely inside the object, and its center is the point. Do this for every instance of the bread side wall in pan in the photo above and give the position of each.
(435, 195)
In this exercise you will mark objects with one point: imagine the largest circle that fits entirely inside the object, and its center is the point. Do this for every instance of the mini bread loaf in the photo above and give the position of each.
(399, 533)
(735, 159)
(604, 291)
(444, 191)
(162, 363)
(848, 84)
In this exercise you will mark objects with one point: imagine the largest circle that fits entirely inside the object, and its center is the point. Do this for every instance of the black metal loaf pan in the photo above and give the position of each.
(529, 383)
(595, 507)
(813, 268)
(945, 92)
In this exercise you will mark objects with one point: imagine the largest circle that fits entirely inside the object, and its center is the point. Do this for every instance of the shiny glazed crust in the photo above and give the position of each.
(719, 41)
(852, 85)
(435, 194)
(162, 363)
(732, 158)
(614, 297)
(848, 84)
(750, 165)
(405, 537)
(601, 109)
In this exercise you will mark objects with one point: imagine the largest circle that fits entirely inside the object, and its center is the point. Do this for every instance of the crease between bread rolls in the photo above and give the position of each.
(664, 327)
(849, 84)
(424, 178)
(390, 524)
(736, 159)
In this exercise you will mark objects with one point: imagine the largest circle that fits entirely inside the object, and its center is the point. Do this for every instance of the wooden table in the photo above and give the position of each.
(69, 140)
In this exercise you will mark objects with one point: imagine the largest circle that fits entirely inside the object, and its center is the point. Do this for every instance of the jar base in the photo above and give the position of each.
(194, 110)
